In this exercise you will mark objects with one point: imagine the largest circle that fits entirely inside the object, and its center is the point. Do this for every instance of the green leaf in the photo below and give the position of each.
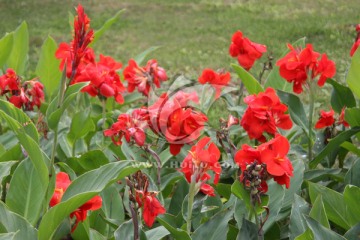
(341, 96)
(81, 190)
(13, 222)
(276, 195)
(88, 161)
(167, 221)
(31, 147)
(18, 57)
(240, 192)
(6, 44)
(248, 231)
(216, 228)
(351, 197)
(353, 175)
(5, 168)
(274, 79)
(21, 117)
(141, 57)
(48, 67)
(334, 143)
(353, 233)
(351, 148)
(157, 233)
(339, 214)
(353, 75)
(307, 235)
(106, 26)
(26, 193)
(352, 116)
(251, 84)
(318, 212)
(316, 175)
(112, 203)
(321, 232)
(296, 109)
(81, 125)
(125, 231)
(8, 236)
(54, 112)
(297, 222)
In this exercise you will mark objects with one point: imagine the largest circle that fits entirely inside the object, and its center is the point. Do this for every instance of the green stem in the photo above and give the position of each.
(53, 151)
(190, 206)
(103, 101)
(253, 210)
(311, 113)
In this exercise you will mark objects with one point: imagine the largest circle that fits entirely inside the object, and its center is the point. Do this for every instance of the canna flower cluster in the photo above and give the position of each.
(144, 78)
(81, 65)
(25, 95)
(217, 80)
(269, 160)
(264, 114)
(203, 157)
(246, 51)
(327, 119)
(300, 65)
(178, 122)
(129, 126)
(62, 183)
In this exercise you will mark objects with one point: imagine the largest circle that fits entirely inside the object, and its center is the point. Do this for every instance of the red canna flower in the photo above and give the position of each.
(10, 81)
(326, 119)
(217, 80)
(203, 157)
(62, 183)
(144, 77)
(265, 112)
(178, 122)
(104, 81)
(150, 205)
(298, 63)
(273, 156)
(232, 121)
(77, 51)
(247, 52)
(342, 117)
(129, 126)
(357, 41)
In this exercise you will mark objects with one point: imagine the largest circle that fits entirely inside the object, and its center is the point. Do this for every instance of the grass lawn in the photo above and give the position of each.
(194, 34)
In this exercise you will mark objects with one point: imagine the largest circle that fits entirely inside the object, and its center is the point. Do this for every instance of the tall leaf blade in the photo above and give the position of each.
(251, 84)
(19, 53)
(354, 74)
(6, 44)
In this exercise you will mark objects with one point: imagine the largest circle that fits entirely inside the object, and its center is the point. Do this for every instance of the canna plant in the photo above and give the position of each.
(98, 150)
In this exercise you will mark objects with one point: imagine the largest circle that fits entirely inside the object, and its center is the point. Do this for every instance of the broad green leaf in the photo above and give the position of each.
(31, 147)
(353, 233)
(131, 98)
(353, 75)
(251, 84)
(5, 168)
(351, 148)
(296, 109)
(13, 222)
(112, 203)
(352, 197)
(8, 236)
(321, 232)
(6, 44)
(81, 125)
(248, 231)
(157, 233)
(297, 222)
(316, 175)
(12, 153)
(352, 116)
(307, 235)
(21, 117)
(216, 228)
(167, 221)
(48, 67)
(239, 191)
(95, 235)
(54, 113)
(240, 211)
(81, 190)
(334, 143)
(197, 206)
(26, 193)
(339, 214)
(19, 53)
(353, 175)
(276, 195)
(341, 96)
(106, 26)
(88, 161)
(318, 212)
(141, 57)
(274, 79)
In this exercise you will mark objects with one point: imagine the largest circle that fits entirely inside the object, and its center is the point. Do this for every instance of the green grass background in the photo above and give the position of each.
(194, 34)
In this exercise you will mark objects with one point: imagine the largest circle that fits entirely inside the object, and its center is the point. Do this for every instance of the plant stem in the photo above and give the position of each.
(103, 101)
(253, 209)
(311, 113)
(53, 151)
(190, 205)
(135, 221)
